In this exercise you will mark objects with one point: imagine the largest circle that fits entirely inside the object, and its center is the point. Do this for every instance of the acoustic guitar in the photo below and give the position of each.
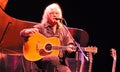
(38, 46)
(114, 56)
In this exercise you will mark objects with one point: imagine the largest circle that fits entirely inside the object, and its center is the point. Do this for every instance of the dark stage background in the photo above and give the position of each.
(99, 18)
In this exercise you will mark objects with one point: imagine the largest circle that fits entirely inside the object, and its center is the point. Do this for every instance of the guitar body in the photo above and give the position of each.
(38, 46)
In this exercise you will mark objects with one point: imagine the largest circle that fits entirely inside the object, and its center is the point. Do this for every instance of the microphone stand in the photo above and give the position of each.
(80, 51)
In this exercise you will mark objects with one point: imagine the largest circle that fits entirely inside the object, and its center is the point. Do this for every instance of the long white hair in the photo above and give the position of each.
(48, 9)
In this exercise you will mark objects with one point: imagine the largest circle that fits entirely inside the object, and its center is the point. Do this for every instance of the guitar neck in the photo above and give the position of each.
(114, 56)
(62, 47)
(114, 65)
(90, 62)
(87, 49)
(90, 67)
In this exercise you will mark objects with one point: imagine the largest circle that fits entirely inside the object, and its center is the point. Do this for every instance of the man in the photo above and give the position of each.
(51, 26)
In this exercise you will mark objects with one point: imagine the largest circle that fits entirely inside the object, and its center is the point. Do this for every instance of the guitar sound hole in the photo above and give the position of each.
(48, 47)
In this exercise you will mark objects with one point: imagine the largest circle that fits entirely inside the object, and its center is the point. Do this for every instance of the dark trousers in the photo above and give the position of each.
(49, 61)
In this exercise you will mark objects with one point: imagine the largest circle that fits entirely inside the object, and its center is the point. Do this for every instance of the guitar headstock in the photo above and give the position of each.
(91, 49)
(113, 53)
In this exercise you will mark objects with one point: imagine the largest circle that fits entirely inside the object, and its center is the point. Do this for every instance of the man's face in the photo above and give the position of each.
(55, 13)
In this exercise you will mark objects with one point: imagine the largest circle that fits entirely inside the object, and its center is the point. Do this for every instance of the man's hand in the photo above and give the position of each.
(29, 32)
(71, 48)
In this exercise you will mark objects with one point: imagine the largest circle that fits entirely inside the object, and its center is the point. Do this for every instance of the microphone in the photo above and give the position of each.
(59, 18)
